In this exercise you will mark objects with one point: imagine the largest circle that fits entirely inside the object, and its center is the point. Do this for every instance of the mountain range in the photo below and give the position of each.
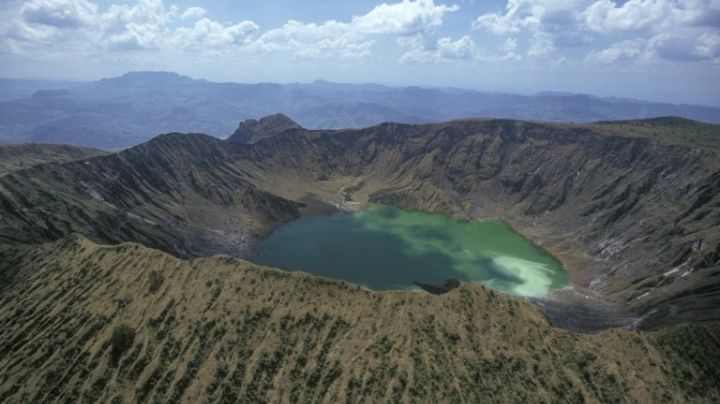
(120, 112)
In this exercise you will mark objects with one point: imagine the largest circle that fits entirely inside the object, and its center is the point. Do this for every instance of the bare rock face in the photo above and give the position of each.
(252, 130)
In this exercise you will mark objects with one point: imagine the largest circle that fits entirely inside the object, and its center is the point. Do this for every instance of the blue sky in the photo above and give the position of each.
(665, 50)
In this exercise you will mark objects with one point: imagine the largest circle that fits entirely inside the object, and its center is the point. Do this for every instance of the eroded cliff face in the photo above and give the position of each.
(178, 193)
(253, 130)
(635, 221)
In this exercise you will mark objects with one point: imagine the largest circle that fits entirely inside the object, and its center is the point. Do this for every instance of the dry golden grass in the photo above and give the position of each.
(219, 329)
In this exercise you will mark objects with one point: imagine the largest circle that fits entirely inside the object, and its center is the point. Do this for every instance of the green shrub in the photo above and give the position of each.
(122, 339)
(156, 280)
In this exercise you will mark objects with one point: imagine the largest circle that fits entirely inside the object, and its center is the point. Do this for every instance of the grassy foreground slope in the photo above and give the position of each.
(125, 323)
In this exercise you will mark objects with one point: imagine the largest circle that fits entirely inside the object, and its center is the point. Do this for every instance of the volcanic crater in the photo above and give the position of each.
(634, 219)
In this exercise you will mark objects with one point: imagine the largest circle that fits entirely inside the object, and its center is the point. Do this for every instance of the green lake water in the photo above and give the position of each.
(385, 248)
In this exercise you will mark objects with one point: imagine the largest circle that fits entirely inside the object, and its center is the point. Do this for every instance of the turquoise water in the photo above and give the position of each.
(385, 248)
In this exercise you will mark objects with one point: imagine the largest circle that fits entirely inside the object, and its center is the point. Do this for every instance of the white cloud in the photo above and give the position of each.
(621, 52)
(635, 15)
(463, 48)
(38, 25)
(136, 37)
(540, 46)
(211, 33)
(708, 45)
(42, 22)
(405, 18)
(509, 47)
(193, 13)
(59, 13)
(143, 26)
(340, 47)
(686, 47)
(514, 19)
(354, 38)
(424, 50)
(555, 24)
(671, 47)
(552, 23)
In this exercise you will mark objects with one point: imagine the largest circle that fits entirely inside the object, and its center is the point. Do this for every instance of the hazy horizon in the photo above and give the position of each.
(508, 91)
(658, 50)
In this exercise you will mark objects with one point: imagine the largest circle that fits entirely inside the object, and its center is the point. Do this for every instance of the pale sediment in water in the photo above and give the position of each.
(386, 248)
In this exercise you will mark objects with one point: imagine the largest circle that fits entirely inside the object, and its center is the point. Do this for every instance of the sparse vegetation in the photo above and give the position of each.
(344, 344)
(121, 340)
(156, 281)
(672, 130)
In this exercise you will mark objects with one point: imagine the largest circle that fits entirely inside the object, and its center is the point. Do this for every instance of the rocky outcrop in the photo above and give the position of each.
(252, 130)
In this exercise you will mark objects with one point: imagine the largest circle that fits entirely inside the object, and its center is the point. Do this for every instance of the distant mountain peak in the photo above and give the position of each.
(151, 74)
(142, 77)
(252, 130)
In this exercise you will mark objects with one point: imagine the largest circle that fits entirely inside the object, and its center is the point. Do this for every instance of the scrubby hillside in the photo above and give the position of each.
(91, 323)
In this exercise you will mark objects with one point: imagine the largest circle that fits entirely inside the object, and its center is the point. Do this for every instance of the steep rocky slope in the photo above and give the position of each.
(89, 323)
(253, 130)
(634, 219)
(20, 156)
(179, 193)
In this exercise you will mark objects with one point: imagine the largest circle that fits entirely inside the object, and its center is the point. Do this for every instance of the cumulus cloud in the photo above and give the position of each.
(556, 24)
(355, 38)
(463, 48)
(686, 47)
(42, 22)
(665, 46)
(512, 20)
(59, 13)
(405, 18)
(621, 52)
(211, 33)
(142, 26)
(159, 25)
(426, 50)
(137, 26)
(509, 48)
(192, 13)
(635, 15)
(708, 45)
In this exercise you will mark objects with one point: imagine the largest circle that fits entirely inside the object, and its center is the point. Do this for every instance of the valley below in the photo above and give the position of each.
(129, 277)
